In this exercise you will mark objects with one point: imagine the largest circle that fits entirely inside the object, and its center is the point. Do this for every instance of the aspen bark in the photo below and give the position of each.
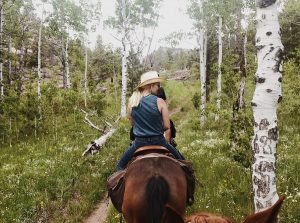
(219, 81)
(266, 97)
(202, 62)
(85, 77)
(1, 50)
(240, 103)
(68, 81)
(65, 63)
(124, 60)
(22, 63)
(8, 75)
(39, 73)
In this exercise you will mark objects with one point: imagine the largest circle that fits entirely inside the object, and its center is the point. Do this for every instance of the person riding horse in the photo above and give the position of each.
(154, 185)
(161, 94)
(149, 117)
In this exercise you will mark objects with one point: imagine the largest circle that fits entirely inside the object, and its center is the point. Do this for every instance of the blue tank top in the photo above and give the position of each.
(147, 120)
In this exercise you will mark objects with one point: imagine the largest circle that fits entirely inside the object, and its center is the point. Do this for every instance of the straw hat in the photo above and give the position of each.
(150, 77)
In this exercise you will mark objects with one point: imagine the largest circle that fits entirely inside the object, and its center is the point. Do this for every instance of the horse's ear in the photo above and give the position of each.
(266, 216)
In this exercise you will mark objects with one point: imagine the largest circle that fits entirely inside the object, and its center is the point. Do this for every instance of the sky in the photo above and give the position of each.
(173, 18)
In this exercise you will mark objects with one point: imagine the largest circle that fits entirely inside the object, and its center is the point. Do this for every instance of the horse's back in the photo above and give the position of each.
(151, 167)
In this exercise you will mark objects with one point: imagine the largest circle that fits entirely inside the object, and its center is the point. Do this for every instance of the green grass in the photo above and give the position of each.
(46, 179)
(225, 185)
(50, 180)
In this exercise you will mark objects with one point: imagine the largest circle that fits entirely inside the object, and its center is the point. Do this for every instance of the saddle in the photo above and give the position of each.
(116, 182)
(151, 149)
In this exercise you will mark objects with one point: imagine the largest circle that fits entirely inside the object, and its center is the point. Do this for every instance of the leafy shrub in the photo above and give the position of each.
(196, 100)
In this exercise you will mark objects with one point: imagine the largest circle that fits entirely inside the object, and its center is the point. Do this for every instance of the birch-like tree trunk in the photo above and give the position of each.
(266, 97)
(39, 73)
(124, 59)
(22, 62)
(65, 63)
(85, 77)
(240, 103)
(1, 50)
(245, 48)
(219, 81)
(202, 62)
(68, 81)
(8, 75)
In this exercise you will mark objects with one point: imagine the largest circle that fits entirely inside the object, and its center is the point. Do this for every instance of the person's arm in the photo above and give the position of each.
(163, 108)
(129, 109)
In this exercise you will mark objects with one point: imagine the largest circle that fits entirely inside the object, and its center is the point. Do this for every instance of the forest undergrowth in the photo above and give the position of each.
(46, 180)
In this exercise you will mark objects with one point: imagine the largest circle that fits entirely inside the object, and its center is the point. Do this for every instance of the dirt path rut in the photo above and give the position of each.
(100, 213)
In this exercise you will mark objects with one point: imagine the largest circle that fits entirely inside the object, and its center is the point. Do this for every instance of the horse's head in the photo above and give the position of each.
(267, 216)
(206, 218)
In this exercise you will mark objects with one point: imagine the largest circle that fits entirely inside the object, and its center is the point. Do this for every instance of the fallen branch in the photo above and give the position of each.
(97, 144)
(87, 121)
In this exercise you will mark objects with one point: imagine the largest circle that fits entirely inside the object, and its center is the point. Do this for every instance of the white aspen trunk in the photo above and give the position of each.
(1, 50)
(241, 93)
(65, 63)
(266, 97)
(245, 48)
(124, 78)
(205, 40)
(240, 103)
(8, 60)
(203, 78)
(63, 59)
(22, 63)
(68, 81)
(124, 60)
(85, 77)
(202, 62)
(219, 81)
(39, 73)
(150, 43)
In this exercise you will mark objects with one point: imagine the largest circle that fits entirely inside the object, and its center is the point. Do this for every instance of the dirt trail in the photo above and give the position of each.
(100, 213)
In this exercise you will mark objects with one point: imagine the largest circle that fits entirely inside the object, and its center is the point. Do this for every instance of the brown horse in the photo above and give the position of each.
(267, 216)
(155, 191)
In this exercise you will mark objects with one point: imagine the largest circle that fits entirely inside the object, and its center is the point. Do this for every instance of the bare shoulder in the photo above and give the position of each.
(160, 101)
(161, 104)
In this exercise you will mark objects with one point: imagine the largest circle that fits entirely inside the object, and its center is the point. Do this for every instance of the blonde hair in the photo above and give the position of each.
(135, 99)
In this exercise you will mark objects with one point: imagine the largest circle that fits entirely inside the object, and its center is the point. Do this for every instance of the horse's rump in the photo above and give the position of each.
(155, 186)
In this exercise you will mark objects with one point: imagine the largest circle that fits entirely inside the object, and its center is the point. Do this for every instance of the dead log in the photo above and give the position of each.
(97, 144)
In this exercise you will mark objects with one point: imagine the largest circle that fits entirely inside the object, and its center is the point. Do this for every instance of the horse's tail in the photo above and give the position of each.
(157, 195)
